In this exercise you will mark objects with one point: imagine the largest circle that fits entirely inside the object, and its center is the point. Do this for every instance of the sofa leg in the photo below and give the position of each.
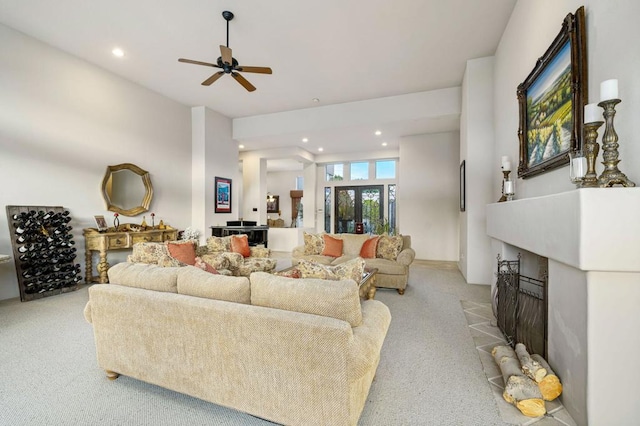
(112, 375)
(401, 291)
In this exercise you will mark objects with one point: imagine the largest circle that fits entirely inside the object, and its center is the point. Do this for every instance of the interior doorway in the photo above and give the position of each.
(358, 204)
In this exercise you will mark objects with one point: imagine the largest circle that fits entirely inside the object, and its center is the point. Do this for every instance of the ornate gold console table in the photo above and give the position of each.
(126, 236)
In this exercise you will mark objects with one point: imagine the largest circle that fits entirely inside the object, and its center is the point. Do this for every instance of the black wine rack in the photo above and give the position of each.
(43, 250)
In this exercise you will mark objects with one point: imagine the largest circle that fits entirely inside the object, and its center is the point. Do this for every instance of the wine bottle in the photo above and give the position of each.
(25, 248)
(22, 216)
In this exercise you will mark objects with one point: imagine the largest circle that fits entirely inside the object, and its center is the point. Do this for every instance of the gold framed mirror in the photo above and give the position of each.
(127, 189)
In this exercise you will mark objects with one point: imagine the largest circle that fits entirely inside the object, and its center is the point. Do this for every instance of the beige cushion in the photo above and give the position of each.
(335, 299)
(149, 277)
(194, 281)
(352, 243)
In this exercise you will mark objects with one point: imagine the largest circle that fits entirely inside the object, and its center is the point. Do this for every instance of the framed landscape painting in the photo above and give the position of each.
(223, 195)
(551, 101)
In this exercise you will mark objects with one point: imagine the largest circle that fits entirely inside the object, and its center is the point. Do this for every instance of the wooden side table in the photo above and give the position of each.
(124, 238)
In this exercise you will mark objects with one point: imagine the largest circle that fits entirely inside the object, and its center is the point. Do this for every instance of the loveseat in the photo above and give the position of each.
(292, 351)
(391, 255)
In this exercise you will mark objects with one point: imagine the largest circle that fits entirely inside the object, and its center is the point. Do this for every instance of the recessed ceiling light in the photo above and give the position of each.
(384, 144)
(320, 149)
(117, 52)
(316, 100)
(241, 146)
(378, 132)
(305, 140)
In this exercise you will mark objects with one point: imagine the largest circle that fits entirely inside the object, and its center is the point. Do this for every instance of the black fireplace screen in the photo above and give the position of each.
(520, 307)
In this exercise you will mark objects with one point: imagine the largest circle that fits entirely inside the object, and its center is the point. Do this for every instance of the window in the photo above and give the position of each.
(334, 172)
(359, 171)
(392, 209)
(327, 209)
(299, 183)
(386, 169)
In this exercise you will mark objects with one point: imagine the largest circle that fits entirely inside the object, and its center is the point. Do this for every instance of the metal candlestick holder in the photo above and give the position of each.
(505, 173)
(611, 175)
(591, 149)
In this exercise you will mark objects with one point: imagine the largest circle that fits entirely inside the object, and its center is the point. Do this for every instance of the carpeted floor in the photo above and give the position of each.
(429, 374)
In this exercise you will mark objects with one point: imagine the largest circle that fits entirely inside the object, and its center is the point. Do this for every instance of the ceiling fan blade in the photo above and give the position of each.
(191, 61)
(213, 78)
(259, 70)
(243, 81)
(226, 54)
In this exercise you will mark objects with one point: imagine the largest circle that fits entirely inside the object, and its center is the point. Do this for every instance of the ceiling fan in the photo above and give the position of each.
(229, 64)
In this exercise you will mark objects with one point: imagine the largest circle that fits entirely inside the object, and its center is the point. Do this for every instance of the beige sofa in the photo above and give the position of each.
(292, 351)
(392, 272)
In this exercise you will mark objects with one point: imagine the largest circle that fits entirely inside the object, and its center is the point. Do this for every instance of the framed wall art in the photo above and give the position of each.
(551, 101)
(273, 204)
(223, 195)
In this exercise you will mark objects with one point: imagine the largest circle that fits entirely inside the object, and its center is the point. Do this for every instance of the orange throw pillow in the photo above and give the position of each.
(368, 250)
(332, 246)
(184, 252)
(240, 244)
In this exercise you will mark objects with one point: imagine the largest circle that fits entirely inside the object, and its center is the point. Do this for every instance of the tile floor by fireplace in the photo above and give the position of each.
(486, 336)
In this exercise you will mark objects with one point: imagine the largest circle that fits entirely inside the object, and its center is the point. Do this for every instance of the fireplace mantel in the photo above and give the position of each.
(591, 237)
(591, 229)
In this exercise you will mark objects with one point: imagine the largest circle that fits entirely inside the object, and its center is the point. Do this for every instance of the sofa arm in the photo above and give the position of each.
(297, 252)
(260, 252)
(368, 337)
(87, 312)
(406, 256)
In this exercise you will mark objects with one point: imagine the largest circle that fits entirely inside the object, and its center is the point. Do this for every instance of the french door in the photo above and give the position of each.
(358, 204)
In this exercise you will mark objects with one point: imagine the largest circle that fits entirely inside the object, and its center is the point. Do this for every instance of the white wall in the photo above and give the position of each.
(476, 149)
(63, 121)
(214, 154)
(428, 194)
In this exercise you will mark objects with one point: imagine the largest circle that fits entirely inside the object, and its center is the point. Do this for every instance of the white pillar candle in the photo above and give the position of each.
(592, 113)
(505, 158)
(579, 166)
(506, 166)
(609, 90)
(508, 187)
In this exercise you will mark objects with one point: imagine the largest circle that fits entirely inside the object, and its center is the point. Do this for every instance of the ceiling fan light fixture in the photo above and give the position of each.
(228, 64)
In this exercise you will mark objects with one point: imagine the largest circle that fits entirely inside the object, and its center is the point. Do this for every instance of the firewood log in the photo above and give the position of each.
(530, 367)
(519, 390)
(550, 385)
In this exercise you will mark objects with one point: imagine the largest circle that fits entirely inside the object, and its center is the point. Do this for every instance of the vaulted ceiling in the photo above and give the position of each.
(335, 51)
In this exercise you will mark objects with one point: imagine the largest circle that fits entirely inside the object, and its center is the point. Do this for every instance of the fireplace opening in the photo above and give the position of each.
(520, 304)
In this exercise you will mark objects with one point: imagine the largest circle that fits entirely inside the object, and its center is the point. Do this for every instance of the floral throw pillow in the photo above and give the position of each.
(291, 273)
(150, 253)
(313, 243)
(218, 244)
(352, 269)
(389, 247)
